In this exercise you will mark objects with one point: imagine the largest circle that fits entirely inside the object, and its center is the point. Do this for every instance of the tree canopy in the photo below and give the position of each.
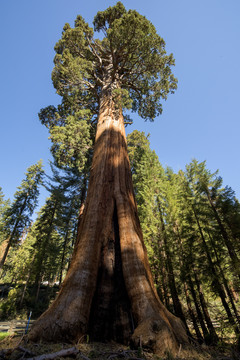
(130, 54)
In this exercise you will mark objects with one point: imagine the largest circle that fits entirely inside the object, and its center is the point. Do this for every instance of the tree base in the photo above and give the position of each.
(153, 335)
(156, 336)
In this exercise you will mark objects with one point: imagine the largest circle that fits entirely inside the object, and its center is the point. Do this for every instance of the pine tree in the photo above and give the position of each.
(208, 234)
(18, 215)
(184, 240)
(70, 186)
(4, 205)
(209, 186)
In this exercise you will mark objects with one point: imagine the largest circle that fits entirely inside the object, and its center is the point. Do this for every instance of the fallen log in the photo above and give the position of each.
(61, 353)
(84, 357)
(25, 351)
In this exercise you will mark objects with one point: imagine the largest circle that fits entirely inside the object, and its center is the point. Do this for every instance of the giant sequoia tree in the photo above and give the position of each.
(108, 292)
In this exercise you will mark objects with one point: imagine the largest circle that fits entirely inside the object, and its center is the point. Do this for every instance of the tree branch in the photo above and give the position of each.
(93, 51)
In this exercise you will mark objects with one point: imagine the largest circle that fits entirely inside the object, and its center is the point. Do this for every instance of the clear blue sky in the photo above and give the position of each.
(201, 120)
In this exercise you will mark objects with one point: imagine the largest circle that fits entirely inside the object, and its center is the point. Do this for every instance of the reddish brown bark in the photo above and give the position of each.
(109, 292)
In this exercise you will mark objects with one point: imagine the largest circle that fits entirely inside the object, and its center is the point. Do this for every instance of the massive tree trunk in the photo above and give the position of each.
(108, 292)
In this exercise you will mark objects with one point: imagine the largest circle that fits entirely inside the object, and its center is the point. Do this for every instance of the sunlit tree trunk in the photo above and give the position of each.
(226, 238)
(109, 292)
(198, 310)
(217, 283)
(191, 313)
(225, 282)
(171, 278)
(212, 332)
(9, 241)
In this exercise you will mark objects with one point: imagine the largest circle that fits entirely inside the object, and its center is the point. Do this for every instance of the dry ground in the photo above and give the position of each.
(17, 347)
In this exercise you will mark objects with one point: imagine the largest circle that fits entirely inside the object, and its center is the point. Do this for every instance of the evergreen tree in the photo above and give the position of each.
(109, 273)
(207, 234)
(70, 186)
(229, 208)
(4, 205)
(18, 215)
(156, 207)
(209, 188)
(184, 240)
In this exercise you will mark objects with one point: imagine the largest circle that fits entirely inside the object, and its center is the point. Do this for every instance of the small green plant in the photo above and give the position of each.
(3, 335)
(139, 351)
(169, 355)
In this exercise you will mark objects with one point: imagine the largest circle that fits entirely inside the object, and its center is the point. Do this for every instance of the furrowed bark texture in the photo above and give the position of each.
(108, 292)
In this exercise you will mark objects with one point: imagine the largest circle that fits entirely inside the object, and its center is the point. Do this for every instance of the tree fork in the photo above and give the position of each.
(110, 216)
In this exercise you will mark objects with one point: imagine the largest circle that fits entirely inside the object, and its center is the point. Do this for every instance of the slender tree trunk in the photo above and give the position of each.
(183, 264)
(235, 294)
(228, 242)
(4, 251)
(38, 287)
(25, 287)
(11, 237)
(162, 259)
(171, 278)
(218, 285)
(9, 244)
(110, 258)
(191, 313)
(213, 334)
(230, 227)
(40, 257)
(225, 282)
(199, 313)
(63, 253)
(157, 281)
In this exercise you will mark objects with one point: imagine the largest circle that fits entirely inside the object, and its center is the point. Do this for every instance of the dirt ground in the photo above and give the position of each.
(17, 347)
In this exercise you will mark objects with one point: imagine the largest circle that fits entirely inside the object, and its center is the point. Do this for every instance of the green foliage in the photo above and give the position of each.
(46, 249)
(121, 99)
(3, 335)
(187, 250)
(131, 54)
(8, 307)
(11, 307)
(131, 58)
(72, 142)
(17, 217)
(4, 206)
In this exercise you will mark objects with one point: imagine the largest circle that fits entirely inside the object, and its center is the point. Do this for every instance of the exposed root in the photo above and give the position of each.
(45, 331)
(156, 336)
